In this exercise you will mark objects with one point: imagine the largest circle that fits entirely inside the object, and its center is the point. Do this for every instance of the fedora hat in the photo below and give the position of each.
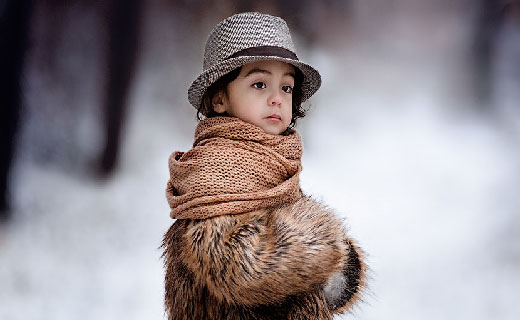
(245, 38)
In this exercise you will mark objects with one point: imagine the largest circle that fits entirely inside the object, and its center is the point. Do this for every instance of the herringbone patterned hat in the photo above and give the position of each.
(244, 38)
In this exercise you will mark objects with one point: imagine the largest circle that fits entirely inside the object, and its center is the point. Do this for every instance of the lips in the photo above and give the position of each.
(274, 117)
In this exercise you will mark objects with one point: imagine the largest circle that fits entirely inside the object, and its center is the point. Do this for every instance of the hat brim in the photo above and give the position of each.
(311, 77)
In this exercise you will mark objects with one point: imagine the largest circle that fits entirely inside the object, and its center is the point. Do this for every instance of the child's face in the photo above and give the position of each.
(260, 95)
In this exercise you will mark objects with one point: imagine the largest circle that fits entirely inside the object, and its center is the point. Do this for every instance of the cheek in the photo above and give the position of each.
(288, 115)
(245, 110)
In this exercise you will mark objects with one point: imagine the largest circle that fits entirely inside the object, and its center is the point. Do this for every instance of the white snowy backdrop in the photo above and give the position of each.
(426, 175)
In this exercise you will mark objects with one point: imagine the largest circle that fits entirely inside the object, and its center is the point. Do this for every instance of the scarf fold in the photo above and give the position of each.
(233, 167)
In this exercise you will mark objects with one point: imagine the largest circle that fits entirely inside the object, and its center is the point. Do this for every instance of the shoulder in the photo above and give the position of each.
(306, 208)
(308, 216)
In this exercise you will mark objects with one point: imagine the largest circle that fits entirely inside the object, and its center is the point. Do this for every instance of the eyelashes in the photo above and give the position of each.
(262, 85)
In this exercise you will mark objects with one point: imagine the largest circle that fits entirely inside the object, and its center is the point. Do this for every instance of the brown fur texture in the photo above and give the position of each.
(265, 264)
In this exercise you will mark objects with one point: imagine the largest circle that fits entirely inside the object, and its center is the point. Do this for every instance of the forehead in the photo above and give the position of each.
(275, 67)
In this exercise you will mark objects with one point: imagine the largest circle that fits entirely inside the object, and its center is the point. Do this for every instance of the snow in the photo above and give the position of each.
(427, 184)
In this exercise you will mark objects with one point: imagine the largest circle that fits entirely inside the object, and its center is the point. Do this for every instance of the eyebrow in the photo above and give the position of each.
(258, 70)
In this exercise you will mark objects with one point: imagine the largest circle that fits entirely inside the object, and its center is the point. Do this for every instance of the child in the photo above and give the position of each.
(247, 243)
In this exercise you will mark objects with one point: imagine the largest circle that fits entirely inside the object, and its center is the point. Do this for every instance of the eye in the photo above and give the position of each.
(287, 89)
(259, 85)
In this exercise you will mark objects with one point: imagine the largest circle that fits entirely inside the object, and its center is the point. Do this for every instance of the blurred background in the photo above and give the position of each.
(414, 138)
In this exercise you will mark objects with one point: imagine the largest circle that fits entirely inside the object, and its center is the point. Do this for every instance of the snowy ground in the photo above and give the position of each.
(429, 189)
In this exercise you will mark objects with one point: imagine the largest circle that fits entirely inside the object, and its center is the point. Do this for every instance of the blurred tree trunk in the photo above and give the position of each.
(123, 22)
(491, 17)
(14, 26)
(487, 25)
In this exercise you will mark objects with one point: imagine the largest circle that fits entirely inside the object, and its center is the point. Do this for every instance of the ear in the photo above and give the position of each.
(219, 102)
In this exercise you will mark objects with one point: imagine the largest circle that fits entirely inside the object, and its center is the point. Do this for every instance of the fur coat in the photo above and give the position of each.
(290, 262)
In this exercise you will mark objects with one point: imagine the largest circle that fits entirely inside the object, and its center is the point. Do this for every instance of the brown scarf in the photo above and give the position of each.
(233, 167)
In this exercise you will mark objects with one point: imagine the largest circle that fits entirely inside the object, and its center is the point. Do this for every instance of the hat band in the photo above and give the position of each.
(265, 51)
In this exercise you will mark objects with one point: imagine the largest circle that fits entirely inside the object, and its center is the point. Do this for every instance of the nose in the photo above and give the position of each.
(275, 99)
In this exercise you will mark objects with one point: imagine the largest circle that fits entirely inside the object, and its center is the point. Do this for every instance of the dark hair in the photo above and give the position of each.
(205, 109)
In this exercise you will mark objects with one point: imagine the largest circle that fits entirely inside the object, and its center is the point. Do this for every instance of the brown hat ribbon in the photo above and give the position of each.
(268, 51)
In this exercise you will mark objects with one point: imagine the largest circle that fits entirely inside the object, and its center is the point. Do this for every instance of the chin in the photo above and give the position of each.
(273, 131)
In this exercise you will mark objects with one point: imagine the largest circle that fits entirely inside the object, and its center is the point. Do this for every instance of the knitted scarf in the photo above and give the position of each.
(233, 167)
